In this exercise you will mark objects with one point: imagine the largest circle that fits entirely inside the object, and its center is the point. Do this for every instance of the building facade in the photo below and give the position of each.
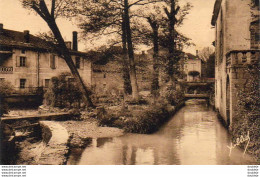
(237, 46)
(28, 62)
(192, 64)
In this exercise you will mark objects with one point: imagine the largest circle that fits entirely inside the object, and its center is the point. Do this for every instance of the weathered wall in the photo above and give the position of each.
(233, 24)
(192, 65)
(38, 68)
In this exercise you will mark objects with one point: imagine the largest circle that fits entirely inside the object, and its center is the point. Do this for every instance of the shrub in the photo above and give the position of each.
(62, 93)
(6, 88)
(149, 121)
(172, 95)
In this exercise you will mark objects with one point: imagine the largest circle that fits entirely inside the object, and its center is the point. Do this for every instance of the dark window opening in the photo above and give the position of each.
(47, 83)
(78, 62)
(22, 61)
(23, 51)
(105, 75)
(22, 83)
(255, 35)
(53, 62)
(256, 2)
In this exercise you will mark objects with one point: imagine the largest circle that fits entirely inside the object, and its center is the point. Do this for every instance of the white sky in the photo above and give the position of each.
(197, 25)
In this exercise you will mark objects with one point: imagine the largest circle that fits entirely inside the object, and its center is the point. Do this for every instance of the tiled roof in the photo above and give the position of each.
(10, 38)
(16, 39)
(191, 56)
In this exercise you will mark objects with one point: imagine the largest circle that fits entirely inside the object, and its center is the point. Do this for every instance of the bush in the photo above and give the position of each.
(62, 93)
(6, 89)
(149, 121)
(172, 95)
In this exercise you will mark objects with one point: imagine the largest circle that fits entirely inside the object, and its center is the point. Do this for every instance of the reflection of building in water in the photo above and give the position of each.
(199, 133)
(144, 156)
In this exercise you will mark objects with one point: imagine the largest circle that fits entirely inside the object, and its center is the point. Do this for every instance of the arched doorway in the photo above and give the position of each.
(228, 101)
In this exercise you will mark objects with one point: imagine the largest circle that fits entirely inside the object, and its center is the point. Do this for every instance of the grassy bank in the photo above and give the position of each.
(143, 119)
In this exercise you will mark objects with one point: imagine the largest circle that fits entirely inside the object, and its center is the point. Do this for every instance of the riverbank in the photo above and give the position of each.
(144, 119)
(34, 150)
(193, 136)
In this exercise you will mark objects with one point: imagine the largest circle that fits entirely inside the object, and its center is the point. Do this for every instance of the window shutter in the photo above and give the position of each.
(82, 63)
(26, 62)
(52, 61)
(17, 61)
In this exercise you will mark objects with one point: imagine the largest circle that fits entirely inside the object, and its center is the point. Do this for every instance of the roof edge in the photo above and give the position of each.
(216, 10)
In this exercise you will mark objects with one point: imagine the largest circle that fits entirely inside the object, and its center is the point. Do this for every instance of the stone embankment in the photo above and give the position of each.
(82, 132)
(54, 144)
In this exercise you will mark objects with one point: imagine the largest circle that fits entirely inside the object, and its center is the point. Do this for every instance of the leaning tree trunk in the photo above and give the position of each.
(126, 76)
(133, 78)
(64, 51)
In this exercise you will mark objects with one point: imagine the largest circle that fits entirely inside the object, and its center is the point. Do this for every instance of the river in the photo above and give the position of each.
(193, 136)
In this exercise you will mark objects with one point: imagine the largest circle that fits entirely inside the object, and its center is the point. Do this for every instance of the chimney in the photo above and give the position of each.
(75, 40)
(68, 44)
(1, 27)
(26, 36)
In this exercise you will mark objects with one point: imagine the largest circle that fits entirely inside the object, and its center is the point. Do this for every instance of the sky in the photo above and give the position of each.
(197, 26)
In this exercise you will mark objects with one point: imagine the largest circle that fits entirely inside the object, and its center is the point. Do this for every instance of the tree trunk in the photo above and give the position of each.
(126, 76)
(155, 76)
(171, 44)
(67, 57)
(133, 78)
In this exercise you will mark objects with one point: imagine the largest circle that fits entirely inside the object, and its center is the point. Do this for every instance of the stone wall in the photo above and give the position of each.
(55, 137)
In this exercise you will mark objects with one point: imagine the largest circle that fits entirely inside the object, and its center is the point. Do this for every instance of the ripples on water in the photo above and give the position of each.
(194, 136)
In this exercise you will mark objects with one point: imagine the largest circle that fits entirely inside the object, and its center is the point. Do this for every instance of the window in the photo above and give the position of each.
(2, 79)
(23, 51)
(22, 83)
(47, 83)
(53, 62)
(71, 82)
(22, 61)
(105, 75)
(255, 35)
(221, 47)
(78, 62)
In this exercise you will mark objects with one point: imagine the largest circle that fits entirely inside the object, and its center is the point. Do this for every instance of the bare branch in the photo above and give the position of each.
(53, 8)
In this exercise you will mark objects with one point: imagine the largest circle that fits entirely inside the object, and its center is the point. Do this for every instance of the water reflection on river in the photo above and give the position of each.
(193, 136)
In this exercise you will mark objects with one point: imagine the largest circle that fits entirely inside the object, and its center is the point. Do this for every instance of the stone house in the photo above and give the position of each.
(192, 63)
(237, 45)
(107, 76)
(29, 62)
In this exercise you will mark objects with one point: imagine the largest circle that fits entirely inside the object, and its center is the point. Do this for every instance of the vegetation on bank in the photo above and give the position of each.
(5, 89)
(63, 93)
(248, 112)
(145, 117)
